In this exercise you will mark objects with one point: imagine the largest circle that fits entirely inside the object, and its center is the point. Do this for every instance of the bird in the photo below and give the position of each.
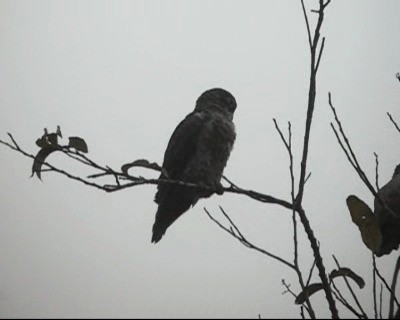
(197, 153)
(387, 212)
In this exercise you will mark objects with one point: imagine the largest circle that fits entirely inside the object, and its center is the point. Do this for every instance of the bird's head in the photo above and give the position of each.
(216, 97)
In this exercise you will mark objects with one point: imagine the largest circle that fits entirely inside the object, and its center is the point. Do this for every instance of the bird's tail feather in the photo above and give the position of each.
(168, 211)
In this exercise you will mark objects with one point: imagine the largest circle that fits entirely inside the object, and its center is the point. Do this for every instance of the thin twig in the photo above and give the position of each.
(393, 289)
(376, 171)
(310, 274)
(394, 122)
(307, 23)
(320, 53)
(344, 302)
(239, 236)
(288, 145)
(349, 150)
(351, 291)
(380, 301)
(288, 290)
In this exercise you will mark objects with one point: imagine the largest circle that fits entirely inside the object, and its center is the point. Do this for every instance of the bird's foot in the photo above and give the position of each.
(219, 189)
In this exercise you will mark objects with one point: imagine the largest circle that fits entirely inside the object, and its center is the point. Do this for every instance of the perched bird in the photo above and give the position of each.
(388, 213)
(197, 152)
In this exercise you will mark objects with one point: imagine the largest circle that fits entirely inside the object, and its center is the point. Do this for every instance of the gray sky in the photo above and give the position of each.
(122, 75)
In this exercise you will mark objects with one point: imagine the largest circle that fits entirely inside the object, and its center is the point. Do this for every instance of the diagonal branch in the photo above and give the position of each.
(393, 121)
(348, 149)
(352, 292)
(235, 232)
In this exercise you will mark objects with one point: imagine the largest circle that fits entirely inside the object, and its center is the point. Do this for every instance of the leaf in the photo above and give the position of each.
(49, 138)
(140, 163)
(308, 292)
(40, 158)
(42, 142)
(52, 138)
(346, 272)
(366, 221)
(78, 143)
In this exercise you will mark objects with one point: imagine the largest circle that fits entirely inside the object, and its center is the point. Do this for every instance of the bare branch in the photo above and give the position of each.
(307, 23)
(348, 149)
(321, 49)
(303, 168)
(351, 291)
(234, 231)
(344, 302)
(310, 274)
(288, 145)
(374, 286)
(376, 171)
(380, 302)
(137, 181)
(394, 122)
(393, 290)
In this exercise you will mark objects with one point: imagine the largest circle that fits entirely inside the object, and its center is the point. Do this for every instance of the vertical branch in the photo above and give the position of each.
(310, 110)
(376, 171)
(374, 286)
(380, 302)
(288, 145)
(393, 289)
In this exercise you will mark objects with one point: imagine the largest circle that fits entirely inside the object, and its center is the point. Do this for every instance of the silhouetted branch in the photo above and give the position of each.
(347, 149)
(234, 231)
(376, 171)
(132, 181)
(394, 122)
(380, 301)
(336, 292)
(288, 145)
(303, 168)
(364, 315)
(393, 290)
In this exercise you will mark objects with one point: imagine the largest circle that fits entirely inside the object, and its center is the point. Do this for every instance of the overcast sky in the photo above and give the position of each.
(122, 75)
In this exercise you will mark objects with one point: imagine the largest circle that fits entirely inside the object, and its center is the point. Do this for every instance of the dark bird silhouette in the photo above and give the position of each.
(388, 213)
(197, 152)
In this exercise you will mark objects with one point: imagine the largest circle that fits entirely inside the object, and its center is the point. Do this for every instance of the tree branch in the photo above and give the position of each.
(234, 231)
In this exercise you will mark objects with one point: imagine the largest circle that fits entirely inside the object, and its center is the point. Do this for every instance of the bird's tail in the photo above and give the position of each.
(168, 211)
(158, 232)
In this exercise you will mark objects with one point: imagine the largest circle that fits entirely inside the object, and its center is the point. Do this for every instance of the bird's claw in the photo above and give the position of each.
(219, 189)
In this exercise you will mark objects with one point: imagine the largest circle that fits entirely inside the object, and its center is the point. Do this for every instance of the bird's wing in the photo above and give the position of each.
(181, 148)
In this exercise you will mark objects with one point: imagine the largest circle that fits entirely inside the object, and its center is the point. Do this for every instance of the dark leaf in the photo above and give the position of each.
(42, 142)
(78, 143)
(49, 138)
(40, 158)
(52, 138)
(346, 272)
(140, 163)
(366, 221)
(307, 292)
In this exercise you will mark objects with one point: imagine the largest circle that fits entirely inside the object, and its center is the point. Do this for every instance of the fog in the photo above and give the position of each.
(122, 75)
